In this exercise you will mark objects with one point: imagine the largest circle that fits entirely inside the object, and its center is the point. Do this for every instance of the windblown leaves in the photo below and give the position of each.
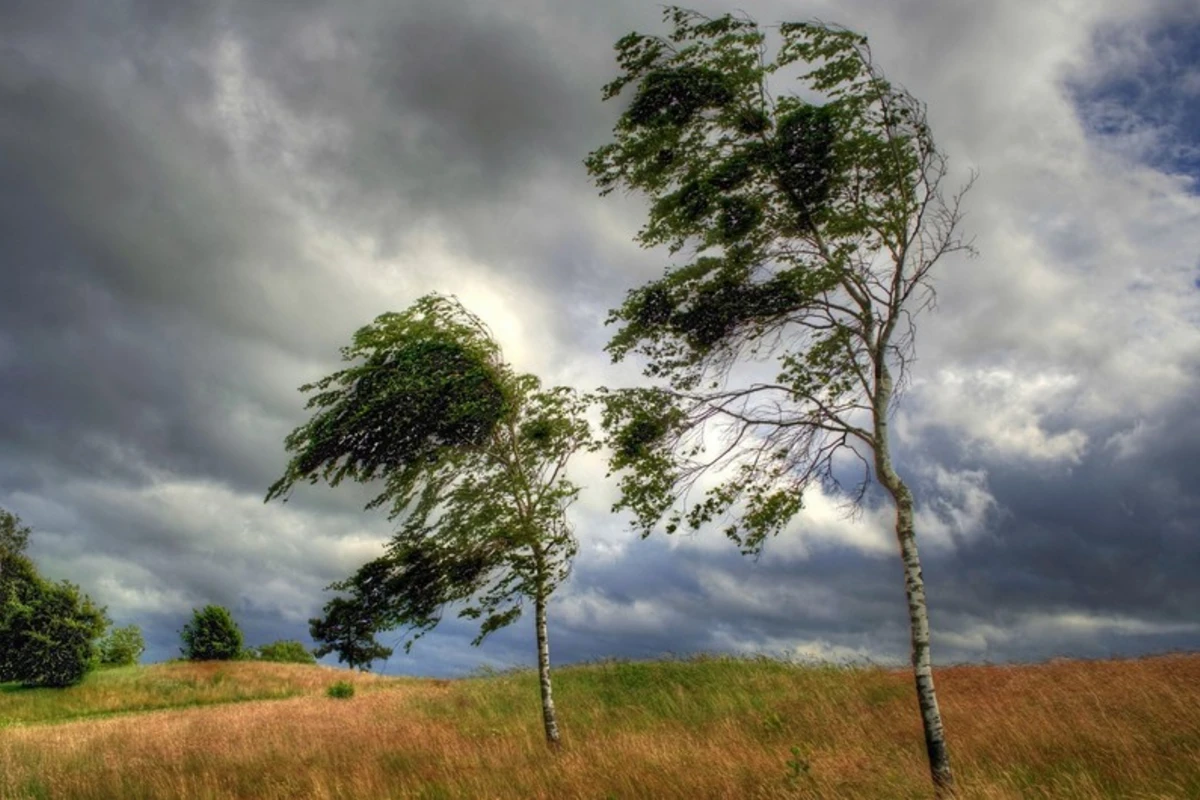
(430, 381)
(803, 216)
(472, 457)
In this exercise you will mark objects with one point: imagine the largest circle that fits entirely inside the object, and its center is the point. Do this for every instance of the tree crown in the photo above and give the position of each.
(470, 453)
(812, 223)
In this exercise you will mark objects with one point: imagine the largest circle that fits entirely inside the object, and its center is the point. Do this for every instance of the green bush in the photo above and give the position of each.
(285, 651)
(122, 647)
(47, 630)
(211, 635)
(342, 690)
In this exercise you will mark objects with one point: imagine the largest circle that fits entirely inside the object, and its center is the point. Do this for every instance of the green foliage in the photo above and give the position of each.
(47, 629)
(348, 628)
(429, 379)
(799, 769)
(211, 635)
(811, 222)
(472, 456)
(13, 535)
(342, 690)
(122, 647)
(285, 651)
(47, 634)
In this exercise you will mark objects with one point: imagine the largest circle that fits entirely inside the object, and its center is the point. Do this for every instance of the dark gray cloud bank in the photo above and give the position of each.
(199, 204)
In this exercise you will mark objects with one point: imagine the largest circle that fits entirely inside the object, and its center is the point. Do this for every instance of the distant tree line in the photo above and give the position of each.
(52, 634)
(212, 635)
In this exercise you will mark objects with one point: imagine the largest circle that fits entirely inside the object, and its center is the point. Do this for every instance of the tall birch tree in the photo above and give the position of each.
(812, 223)
(473, 459)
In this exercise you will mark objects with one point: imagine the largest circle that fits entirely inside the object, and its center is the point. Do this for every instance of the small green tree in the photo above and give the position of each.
(285, 651)
(814, 223)
(211, 635)
(47, 630)
(48, 635)
(122, 647)
(471, 453)
(344, 629)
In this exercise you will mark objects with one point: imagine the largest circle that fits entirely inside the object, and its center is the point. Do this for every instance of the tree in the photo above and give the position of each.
(348, 631)
(14, 536)
(813, 227)
(211, 635)
(47, 629)
(471, 453)
(122, 647)
(47, 633)
(285, 651)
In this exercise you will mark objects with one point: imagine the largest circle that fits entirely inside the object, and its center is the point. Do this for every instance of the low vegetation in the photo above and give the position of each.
(173, 685)
(708, 727)
(342, 690)
(284, 651)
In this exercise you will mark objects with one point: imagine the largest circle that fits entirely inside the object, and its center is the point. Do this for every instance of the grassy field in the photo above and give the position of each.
(710, 727)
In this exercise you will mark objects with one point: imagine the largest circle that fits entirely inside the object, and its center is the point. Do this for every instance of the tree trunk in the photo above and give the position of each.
(549, 717)
(914, 587)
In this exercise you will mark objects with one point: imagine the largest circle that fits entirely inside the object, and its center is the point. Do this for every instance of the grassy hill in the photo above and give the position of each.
(709, 727)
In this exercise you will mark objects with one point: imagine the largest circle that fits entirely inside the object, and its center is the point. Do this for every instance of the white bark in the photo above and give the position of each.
(914, 587)
(549, 717)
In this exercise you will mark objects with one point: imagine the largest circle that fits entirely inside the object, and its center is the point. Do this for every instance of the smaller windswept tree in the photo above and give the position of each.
(472, 455)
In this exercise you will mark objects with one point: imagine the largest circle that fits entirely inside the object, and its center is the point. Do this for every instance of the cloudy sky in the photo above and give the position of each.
(199, 203)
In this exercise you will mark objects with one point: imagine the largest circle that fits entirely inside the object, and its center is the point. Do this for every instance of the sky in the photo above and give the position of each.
(201, 202)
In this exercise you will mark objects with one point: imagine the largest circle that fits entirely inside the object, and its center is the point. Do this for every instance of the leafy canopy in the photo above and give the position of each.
(810, 222)
(211, 635)
(47, 629)
(14, 537)
(121, 647)
(348, 629)
(471, 455)
(428, 379)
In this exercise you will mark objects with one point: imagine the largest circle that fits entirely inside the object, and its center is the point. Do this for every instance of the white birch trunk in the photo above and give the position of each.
(914, 587)
(549, 717)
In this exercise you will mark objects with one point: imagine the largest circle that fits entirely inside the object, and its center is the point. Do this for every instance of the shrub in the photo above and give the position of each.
(285, 651)
(211, 635)
(342, 690)
(122, 647)
(47, 629)
(47, 633)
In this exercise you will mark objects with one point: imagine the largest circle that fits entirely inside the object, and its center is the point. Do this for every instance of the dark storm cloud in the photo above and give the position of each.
(1115, 535)
(450, 107)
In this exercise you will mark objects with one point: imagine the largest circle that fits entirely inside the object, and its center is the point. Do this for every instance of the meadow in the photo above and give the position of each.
(708, 727)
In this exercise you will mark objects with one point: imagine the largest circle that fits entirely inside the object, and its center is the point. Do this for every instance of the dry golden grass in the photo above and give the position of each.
(698, 729)
(172, 685)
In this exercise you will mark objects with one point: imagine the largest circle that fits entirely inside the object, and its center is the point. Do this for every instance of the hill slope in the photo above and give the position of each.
(676, 729)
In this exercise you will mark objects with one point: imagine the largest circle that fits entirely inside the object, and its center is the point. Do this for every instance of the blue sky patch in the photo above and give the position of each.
(1143, 94)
